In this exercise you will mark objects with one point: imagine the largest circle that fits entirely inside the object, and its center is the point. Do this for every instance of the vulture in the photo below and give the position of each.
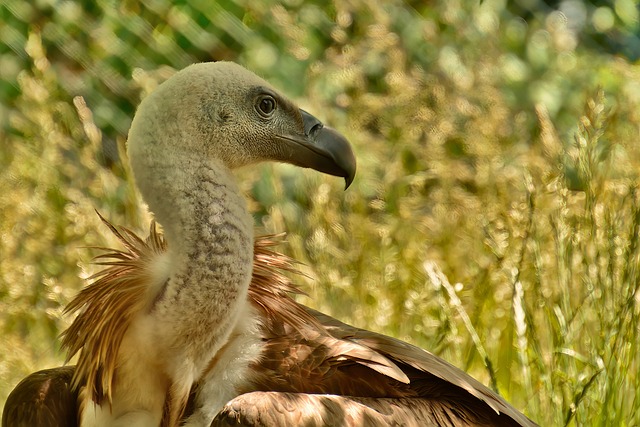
(197, 325)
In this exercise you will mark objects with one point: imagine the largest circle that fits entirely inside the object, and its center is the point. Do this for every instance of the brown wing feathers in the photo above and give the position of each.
(416, 362)
(43, 399)
(319, 410)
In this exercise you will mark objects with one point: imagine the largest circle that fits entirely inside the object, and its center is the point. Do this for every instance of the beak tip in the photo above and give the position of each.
(342, 154)
(347, 181)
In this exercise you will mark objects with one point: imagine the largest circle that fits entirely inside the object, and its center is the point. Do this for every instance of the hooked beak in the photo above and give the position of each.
(322, 149)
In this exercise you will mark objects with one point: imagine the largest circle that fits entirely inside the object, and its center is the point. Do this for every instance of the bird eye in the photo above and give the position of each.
(266, 105)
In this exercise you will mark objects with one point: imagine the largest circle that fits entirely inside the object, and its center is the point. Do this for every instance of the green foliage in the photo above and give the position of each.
(494, 219)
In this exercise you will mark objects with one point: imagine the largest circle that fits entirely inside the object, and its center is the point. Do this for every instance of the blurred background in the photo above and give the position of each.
(494, 219)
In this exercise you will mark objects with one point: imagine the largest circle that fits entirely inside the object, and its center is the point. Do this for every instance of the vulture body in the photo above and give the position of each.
(200, 329)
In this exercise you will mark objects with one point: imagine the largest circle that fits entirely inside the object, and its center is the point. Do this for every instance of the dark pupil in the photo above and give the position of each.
(266, 105)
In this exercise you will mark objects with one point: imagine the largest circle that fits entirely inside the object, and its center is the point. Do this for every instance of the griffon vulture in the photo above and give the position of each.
(200, 329)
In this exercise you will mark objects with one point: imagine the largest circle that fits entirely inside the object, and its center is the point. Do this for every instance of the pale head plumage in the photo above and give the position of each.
(211, 110)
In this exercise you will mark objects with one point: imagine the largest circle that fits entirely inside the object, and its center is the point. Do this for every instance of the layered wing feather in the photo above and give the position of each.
(43, 399)
(421, 367)
(361, 366)
(268, 409)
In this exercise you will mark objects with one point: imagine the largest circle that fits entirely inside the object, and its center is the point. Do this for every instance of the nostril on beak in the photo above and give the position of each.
(311, 125)
(315, 129)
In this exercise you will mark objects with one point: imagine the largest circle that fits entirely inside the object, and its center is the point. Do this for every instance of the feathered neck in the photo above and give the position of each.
(210, 236)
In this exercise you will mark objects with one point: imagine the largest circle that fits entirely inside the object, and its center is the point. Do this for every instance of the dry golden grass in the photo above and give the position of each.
(494, 220)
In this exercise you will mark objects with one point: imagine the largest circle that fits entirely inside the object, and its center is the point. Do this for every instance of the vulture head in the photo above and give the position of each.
(191, 117)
